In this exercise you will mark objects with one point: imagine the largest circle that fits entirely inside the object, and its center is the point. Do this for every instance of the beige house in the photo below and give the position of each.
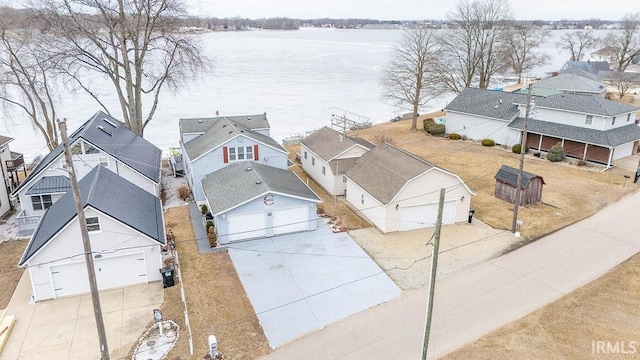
(398, 191)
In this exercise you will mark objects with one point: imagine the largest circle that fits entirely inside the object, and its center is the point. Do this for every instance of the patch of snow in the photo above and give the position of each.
(170, 184)
(153, 346)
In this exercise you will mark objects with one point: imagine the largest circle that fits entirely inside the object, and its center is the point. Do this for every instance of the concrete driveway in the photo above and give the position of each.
(301, 282)
(65, 328)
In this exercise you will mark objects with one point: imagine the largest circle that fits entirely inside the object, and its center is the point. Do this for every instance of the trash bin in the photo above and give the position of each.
(167, 276)
(471, 212)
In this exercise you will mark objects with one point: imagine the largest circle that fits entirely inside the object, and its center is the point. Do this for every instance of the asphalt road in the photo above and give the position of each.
(482, 298)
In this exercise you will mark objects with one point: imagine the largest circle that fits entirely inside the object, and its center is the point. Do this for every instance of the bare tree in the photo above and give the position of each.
(474, 51)
(136, 45)
(523, 42)
(28, 78)
(624, 82)
(578, 43)
(410, 77)
(625, 42)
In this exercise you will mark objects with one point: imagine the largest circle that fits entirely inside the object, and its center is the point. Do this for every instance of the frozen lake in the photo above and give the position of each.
(297, 77)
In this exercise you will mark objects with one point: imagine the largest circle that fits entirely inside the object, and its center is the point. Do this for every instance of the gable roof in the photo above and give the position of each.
(328, 143)
(109, 194)
(219, 132)
(609, 138)
(487, 103)
(5, 140)
(240, 182)
(509, 175)
(593, 67)
(201, 125)
(581, 73)
(383, 171)
(112, 137)
(586, 104)
(50, 185)
(570, 82)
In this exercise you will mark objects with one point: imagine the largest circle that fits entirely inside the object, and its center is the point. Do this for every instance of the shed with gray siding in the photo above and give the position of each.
(531, 185)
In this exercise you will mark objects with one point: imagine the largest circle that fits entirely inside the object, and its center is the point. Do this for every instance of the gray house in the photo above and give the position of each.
(209, 144)
(126, 230)
(568, 83)
(251, 200)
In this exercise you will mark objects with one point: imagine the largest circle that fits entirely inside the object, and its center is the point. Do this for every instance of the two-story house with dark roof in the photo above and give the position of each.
(209, 144)
(101, 140)
(588, 127)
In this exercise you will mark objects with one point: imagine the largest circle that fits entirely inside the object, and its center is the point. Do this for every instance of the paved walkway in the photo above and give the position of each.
(477, 300)
(65, 328)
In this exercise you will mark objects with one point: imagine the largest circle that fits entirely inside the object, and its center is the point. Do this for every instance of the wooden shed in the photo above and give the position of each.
(531, 186)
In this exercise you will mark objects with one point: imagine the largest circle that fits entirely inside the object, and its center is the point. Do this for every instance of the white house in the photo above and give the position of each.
(209, 144)
(10, 163)
(397, 191)
(102, 140)
(126, 231)
(252, 200)
(588, 127)
(326, 155)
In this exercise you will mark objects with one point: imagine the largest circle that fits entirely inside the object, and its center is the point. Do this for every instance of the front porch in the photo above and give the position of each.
(27, 223)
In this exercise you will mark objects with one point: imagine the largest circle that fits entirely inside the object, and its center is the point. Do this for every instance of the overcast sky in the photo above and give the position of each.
(405, 9)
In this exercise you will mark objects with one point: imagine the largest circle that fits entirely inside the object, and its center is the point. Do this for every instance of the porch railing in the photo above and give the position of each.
(27, 223)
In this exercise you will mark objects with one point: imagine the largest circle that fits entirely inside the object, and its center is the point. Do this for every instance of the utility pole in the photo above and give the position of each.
(432, 282)
(93, 285)
(523, 146)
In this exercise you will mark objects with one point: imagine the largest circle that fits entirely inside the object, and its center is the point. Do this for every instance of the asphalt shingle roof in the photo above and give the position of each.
(108, 193)
(244, 181)
(5, 139)
(328, 143)
(487, 103)
(383, 171)
(592, 67)
(201, 125)
(609, 138)
(586, 104)
(112, 137)
(570, 82)
(50, 185)
(509, 175)
(221, 131)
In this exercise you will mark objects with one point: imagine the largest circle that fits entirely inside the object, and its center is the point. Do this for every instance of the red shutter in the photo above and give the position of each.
(256, 156)
(225, 154)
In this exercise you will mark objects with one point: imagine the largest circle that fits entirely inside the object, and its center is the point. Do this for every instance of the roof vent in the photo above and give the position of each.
(100, 127)
(231, 132)
(248, 169)
(258, 182)
(224, 126)
(110, 123)
(497, 106)
(248, 117)
(199, 121)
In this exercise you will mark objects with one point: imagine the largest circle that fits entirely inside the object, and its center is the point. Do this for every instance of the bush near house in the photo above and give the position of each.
(183, 192)
(488, 142)
(203, 209)
(432, 128)
(556, 153)
(517, 149)
(455, 136)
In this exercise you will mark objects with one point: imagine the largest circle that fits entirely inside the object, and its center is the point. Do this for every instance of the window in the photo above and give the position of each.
(628, 117)
(313, 161)
(324, 170)
(93, 224)
(104, 161)
(589, 120)
(344, 178)
(41, 202)
(305, 155)
(241, 153)
(362, 199)
(88, 149)
(613, 121)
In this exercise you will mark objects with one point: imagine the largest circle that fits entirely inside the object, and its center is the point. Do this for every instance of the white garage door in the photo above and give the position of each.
(112, 272)
(426, 215)
(290, 220)
(246, 226)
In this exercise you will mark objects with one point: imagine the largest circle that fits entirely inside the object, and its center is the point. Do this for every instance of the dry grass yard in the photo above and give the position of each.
(604, 310)
(571, 192)
(216, 300)
(10, 273)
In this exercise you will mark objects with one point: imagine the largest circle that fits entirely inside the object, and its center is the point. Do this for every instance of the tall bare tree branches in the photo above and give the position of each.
(410, 77)
(474, 51)
(625, 42)
(578, 43)
(136, 45)
(28, 75)
(522, 43)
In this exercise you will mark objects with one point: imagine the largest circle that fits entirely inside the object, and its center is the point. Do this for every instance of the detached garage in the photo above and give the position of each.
(250, 200)
(126, 232)
(398, 191)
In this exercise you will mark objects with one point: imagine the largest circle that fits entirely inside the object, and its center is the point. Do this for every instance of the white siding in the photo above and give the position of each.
(371, 209)
(113, 238)
(478, 128)
(624, 150)
(353, 152)
(326, 180)
(578, 119)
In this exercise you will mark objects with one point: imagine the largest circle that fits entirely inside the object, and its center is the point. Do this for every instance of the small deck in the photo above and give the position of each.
(175, 161)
